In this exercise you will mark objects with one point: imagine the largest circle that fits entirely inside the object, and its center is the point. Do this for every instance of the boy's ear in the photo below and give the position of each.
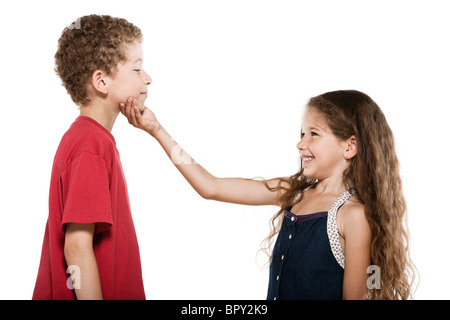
(351, 149)
(99, 81)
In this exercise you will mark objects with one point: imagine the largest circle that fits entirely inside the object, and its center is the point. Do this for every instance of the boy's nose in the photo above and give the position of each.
(147, 79)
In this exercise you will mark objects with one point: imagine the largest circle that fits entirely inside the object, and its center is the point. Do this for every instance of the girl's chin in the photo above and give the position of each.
(308, 174)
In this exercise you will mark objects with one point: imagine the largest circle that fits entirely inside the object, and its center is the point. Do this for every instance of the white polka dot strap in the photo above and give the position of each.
(333, 234)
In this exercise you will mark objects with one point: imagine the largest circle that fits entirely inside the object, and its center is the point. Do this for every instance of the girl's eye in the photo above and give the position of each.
(312, 134)
(137, 70)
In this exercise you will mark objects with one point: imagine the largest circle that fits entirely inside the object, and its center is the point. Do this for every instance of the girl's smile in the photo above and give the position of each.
(306, 160)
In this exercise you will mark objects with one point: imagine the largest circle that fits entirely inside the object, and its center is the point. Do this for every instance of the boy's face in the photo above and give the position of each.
(130, 79)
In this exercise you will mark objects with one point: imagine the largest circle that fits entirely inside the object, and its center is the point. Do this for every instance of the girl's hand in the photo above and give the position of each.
(145, 120)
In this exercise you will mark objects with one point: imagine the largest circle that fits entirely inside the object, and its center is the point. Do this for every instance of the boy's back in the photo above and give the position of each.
(88, 186)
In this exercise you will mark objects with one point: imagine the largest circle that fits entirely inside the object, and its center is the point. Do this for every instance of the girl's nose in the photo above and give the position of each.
(300, 145)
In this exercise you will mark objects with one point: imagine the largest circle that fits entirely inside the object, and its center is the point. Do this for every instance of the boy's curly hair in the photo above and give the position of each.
(92, 43)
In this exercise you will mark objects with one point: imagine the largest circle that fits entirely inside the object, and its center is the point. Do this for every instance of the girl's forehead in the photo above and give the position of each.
(313, 119)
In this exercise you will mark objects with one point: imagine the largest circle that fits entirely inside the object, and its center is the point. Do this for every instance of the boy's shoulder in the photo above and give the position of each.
(86, 135)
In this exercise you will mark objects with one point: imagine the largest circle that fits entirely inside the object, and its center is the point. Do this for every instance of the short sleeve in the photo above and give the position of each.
(86, 181)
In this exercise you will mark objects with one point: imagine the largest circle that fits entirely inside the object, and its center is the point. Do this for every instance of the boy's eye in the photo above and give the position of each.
(137, 70)
(313, 133)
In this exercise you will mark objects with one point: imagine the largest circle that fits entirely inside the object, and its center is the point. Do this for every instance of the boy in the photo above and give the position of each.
(90, 234)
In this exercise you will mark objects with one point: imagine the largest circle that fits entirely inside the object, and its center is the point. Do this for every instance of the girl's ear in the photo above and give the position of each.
(351, 149)
(98, 81)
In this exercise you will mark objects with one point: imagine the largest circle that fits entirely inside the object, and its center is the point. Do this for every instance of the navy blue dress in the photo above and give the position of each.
(303, 266)
(305, 257)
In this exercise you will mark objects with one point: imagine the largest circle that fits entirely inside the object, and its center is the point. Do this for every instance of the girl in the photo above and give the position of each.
(340, 216)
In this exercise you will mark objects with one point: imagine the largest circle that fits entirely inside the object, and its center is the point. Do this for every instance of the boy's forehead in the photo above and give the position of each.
(134, 53)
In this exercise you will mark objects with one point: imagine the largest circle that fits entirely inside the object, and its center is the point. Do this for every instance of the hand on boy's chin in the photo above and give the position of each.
(140, 104)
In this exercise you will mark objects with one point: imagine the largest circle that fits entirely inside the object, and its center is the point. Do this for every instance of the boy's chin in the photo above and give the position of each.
(141, 103)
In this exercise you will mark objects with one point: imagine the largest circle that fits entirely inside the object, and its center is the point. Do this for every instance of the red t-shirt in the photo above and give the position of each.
(88, 186)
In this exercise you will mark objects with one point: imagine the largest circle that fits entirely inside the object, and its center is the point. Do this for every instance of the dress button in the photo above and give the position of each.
(290, 236)
(278, 278)
(275, 298)
(282, 257)
(293, 219)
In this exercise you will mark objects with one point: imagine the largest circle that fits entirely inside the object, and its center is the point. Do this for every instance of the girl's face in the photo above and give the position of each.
(322, 154)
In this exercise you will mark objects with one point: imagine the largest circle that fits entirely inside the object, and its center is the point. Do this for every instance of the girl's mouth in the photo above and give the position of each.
(307, 160)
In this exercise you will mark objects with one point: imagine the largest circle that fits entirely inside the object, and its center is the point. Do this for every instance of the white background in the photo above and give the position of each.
(230, 80)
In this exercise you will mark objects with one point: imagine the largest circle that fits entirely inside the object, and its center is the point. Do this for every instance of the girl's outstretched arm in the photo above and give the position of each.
(233, 190)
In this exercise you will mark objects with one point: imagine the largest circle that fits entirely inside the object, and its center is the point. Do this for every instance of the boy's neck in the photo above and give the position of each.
(100, 113)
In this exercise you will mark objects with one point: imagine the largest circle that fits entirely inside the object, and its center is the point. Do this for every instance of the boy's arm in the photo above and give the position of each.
(233, 190)
(78, 251)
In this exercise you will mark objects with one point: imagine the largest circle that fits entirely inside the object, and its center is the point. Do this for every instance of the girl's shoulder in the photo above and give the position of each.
(353, 207)
(352, 217)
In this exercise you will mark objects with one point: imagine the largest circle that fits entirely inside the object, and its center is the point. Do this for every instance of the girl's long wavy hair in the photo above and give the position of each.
(374, 173)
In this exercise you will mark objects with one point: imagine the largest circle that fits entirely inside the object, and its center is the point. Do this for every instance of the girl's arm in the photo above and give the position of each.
(357, 235)
(233, 190)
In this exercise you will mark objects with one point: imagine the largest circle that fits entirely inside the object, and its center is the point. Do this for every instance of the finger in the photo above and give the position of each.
(138, 115)
(122, 108)
(133, 113)
(128, 109)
